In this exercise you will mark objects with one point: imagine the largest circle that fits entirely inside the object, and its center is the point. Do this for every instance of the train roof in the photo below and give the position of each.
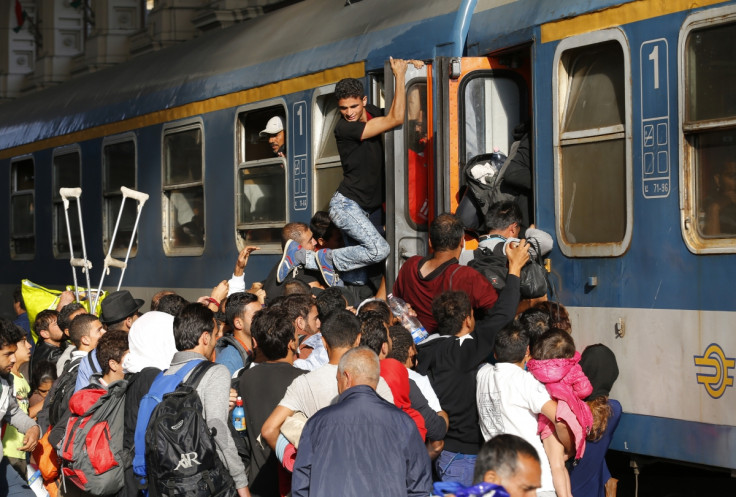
(303, 38)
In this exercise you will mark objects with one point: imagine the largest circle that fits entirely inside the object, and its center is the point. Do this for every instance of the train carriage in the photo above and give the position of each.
(632, 118)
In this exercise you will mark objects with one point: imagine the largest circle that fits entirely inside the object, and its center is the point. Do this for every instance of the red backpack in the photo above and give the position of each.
(92, 450)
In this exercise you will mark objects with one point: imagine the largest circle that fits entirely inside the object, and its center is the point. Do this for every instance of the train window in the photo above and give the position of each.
(416, 140)
(183, 191)
(593, 174)
(22, 206)
(66, 173)
(118, 160)
(261, 178)
(327, 167)
(709, 135)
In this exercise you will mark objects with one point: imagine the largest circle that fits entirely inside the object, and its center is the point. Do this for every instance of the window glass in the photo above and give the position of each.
(328, 170)
(22, 218)
(592, 161)
(261, 179)
(66, 174)
(119, 167)
(415, 129)
(183, 191)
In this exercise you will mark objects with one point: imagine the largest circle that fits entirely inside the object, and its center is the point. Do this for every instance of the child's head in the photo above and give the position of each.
(43, 375)
(554, 344)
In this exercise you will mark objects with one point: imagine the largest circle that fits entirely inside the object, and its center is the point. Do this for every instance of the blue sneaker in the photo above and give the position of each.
(326, 268)
(288, 261)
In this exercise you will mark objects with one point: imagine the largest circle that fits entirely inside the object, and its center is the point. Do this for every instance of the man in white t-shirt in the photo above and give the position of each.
(317, 389)
(510, 399)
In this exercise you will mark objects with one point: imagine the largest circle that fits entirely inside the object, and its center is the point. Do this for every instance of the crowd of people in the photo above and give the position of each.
(337, 396)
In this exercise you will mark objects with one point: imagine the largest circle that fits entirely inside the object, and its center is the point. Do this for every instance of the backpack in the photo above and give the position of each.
(63, 390)
(92, 454)
(492, 265)
(226, 340)
(178, 448)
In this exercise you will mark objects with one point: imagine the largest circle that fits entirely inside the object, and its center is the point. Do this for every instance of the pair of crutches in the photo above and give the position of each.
(84, 262)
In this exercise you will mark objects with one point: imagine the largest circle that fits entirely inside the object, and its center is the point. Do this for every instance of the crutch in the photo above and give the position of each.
(109, 260)
(85, 264)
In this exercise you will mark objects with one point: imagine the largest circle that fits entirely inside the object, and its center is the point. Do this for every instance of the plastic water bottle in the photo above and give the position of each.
(411, 323)
(239, 415)
(497, 159)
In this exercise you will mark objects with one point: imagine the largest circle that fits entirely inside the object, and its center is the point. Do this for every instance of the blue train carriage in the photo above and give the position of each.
(182, 125)
(633, 115)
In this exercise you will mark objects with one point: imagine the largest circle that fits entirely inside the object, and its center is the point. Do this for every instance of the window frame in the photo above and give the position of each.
(106, 223)
(559, 92)
(317, 141)
(241, 162)
(172, 128)
(696, 243)
(56, 197)
(14, 193)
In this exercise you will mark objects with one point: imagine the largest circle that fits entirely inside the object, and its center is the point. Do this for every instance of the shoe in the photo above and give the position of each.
(287, 260)
(326, 268)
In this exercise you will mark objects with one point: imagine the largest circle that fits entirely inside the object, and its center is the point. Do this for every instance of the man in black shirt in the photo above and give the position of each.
(356, 206)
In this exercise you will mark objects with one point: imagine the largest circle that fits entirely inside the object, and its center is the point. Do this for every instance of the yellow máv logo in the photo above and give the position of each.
(715, 379)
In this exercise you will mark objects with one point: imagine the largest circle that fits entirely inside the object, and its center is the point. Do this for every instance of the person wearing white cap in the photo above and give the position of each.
(276, 136)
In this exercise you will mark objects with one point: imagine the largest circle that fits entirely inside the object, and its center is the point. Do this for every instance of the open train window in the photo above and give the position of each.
(327, 166)
(708, 113)
(261, 177)
(22, 208)
(592, 109)
(118, 166)
(66, 173)
(182, 199)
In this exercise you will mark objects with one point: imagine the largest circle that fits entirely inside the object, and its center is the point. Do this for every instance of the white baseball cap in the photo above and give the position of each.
(274, 125)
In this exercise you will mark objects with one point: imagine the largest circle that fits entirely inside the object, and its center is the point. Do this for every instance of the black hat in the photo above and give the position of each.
(599, 365)
(118, 306)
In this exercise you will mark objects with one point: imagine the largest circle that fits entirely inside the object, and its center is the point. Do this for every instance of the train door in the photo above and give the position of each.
(481, 101)
(409, 170)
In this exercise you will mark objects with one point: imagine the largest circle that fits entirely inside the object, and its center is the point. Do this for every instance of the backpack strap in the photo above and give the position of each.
(512, 154)
(198, 373)
(91, 363)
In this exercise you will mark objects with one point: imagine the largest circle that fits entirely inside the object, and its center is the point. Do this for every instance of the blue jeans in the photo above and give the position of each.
(453, 466)
(11, 484)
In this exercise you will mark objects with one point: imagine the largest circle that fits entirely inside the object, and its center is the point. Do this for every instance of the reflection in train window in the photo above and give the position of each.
(261, 178)
(417, 150)
(710, 116)
(22, 209)
(592, 156)
(183, 191)
(66, 173)
(118, 161)
(327, 167)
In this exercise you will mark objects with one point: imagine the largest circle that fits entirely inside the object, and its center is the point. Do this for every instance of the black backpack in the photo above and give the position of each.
(491, 264)
(58, 401)
(181, 455)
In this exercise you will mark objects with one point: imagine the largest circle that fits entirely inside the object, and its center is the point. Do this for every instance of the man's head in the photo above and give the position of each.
(47, 326)
(297, 287)
(325, 232)
(329, 300)
(157, 298)
(341, 330)
(351, 99)
(241, 307)
(504, 218)
(195, 330)
(85, 331)
(512, 344)
(274, 130)
(374, 333)
(18, 305)
(453, 313)
(120, 310)
(171, 304)
(446, 233)
(535, 321)
(358, 366)
(379, 306)
(111, 350)
(302, 311)
(68, 313)
(10, 335)
(511, 462)
(300, 233)
(274, 334)
(403, 348)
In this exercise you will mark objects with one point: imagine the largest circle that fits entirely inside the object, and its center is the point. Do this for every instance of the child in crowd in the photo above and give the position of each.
(13, 439)
(555, 363)
(44, 375)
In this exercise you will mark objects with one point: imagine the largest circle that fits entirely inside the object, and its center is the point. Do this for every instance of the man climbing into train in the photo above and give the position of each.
(356, 207)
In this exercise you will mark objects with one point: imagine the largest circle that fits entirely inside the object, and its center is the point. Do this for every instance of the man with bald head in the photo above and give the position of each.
(362, 444)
